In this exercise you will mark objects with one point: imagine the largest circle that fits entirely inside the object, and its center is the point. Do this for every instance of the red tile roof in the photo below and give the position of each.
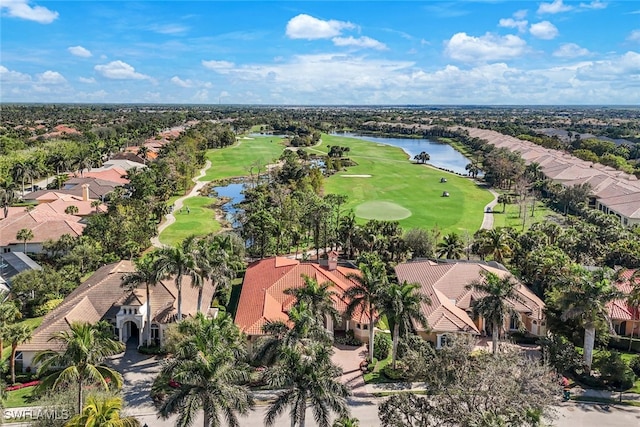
(43, 220)
(620, 309)
(263, 299)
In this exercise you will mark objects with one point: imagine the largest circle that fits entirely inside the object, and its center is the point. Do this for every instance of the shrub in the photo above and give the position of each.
(414, 343)
(45, 308)
(635, 365)
(614, 371)
(348, 339)
(152, 350)
(381, 346)
(561, 354)
(398, 374)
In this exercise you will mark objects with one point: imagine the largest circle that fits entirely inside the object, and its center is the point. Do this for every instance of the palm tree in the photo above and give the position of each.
(534, 171)
(17, 334)
(206, 373)
(346, 422)
(9, 313)
(86, 346)
(318, 297)
(423, 157)
(19, 173)
(496, 304)
(96, 205)
(365, 295)
(174, 261)
(71, 210)
(102, 412)
(504, 199)
(495, 242)
(143, 152)
(306, 376)
(584, 296)
(268, 346)
(402, 304)
(24, 234)
(451, 247)
(146, 274)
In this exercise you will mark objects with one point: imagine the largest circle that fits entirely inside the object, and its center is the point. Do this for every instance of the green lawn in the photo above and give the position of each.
(510, 218)
(236, 160)
(375, 376)
(200, 220)
(18, 398)
(417, 188)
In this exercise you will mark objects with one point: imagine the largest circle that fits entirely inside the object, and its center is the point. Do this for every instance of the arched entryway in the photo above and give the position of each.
(131, 333)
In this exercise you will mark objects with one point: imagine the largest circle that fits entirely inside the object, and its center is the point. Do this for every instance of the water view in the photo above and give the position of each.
(234, 192)
(442, 155)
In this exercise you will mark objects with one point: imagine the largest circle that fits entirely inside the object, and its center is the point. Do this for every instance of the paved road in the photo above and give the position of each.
(487, 222)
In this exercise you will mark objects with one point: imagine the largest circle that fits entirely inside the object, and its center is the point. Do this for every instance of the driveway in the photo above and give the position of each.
(349, 358)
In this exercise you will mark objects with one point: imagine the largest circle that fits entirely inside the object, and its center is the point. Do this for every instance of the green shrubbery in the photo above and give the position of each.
(614, 372)
(152, 350)
(348, 339)
(381, 346)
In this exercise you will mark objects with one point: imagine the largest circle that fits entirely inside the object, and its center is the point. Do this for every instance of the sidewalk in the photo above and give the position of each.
(604, 394)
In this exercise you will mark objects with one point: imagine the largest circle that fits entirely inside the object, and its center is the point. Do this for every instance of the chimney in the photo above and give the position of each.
(85, 192)
(333, 261)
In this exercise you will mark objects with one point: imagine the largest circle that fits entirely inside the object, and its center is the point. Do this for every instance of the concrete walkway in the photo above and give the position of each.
(487, 222)
(170, 218)
(349, 359)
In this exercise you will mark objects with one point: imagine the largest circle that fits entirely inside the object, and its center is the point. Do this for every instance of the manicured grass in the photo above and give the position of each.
(396, 180)
(375, 376)
(200, 221)
(236, 160)
(510, 217)
(18, 398)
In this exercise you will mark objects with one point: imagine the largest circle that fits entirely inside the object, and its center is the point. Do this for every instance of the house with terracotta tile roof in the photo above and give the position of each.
(450, 311)
(262, 298)
(101, 297)
(624, 316)
(45, 222)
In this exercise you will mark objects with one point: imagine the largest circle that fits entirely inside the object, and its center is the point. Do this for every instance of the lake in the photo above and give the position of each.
(443, 156)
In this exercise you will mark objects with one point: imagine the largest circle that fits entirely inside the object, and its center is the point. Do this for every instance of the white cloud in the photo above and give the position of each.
(360, 42)
(51, 77)
(596, 4)
(89, 80)
(169, 28)
(552, 8)
(21, 9)
(79, 51)
(307, 27)
(9, 76)
(634, 36)
(520, 24)
(520, 14)
(201, 96)
(544, 30)
(625, 67)
(182, 83)
(222, 67)
(119, 70)
(489, 47)
(570, 50)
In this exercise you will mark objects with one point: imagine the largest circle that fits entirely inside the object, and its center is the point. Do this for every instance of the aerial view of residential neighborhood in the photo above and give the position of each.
(320, 213)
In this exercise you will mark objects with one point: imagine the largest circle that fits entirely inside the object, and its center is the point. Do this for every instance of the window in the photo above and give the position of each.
(514, 322)
(365, 326)
(442, 340)
(155, 332)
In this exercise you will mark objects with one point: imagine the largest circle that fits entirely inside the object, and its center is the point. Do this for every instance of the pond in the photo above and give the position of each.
(234, 193)
(442, 155)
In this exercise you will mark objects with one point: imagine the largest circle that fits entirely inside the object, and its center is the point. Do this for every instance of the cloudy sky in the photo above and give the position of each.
(329, 53)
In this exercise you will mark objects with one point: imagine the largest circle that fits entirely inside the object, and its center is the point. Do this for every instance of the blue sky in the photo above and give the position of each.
(330, 53)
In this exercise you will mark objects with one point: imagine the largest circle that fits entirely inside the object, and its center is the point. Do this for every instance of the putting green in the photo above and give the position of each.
(386, 211)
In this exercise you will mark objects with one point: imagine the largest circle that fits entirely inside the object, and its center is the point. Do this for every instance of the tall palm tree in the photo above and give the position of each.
(365, 296)
(584, 296)
(268, 346)
(102, 412)
(24, 234)
(86, 346)
(175, 261)
(146, 274)
(496, 304)
(451, 247)
(496, 242)
(402, 304)
(307, 377)
(206, 374)
(9, 313)
(17, 334)
(317, 296)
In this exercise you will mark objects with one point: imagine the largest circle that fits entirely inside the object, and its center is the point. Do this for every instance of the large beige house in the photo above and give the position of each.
(101, 297)
(450, 311)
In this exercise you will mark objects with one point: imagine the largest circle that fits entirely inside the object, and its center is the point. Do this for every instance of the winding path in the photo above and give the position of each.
(487, 222)
(170, 218)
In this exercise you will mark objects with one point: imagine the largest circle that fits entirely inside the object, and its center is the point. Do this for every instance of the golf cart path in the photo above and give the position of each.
(179, 203)
(487, 222)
